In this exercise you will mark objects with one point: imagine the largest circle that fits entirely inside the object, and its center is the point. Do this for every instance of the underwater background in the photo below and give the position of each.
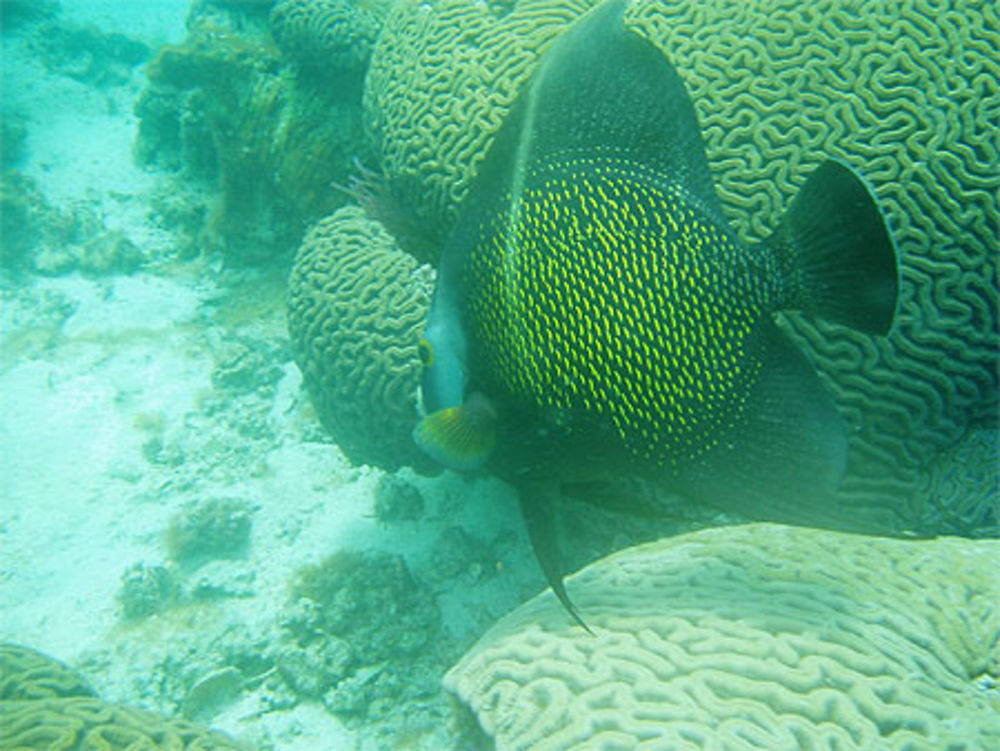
(219, 225)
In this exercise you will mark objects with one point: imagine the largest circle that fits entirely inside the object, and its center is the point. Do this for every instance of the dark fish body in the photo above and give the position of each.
(617, 309)
(596, 319)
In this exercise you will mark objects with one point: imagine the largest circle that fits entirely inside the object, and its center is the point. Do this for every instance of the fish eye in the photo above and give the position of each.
(426, 352)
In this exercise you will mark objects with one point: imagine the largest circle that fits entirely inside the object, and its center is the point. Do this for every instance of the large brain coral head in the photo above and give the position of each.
(357, 305)
(749, 638)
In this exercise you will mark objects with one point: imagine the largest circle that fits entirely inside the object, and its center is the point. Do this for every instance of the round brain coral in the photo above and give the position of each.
(324, 34)
(440, 82)
(45, 705)
(754, 637)
(89, 723)
(907, 93)
(28, 674)
(356, 311)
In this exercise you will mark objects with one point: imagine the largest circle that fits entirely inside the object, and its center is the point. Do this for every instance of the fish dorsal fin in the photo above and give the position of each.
(601, 89)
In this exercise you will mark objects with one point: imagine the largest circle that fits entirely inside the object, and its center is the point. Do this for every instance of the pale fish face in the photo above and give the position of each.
(442, 354)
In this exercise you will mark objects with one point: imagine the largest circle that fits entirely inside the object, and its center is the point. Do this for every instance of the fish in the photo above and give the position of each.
(596, 318)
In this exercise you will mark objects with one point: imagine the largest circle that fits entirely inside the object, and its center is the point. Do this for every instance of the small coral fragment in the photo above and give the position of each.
(325, 34)
(210, 528)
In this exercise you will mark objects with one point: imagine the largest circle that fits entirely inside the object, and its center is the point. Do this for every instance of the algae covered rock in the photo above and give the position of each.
(146, 589)
(209, 528)
(246, 366)
(225, 108)
(16, 13)
(365, 635)
(23, 211)
(397, 499)
(87, 54)
(372, 601)
(13, 140)
(356, 310)
(104, 253)
(752, 637)
(40, 237)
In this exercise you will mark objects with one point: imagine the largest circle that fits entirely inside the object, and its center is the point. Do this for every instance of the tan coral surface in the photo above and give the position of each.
(45, 705)
(441, 81)
(331, 34)
(753, 637)
(26, 673)
(356, 311)
(909, 95)
(89, 723)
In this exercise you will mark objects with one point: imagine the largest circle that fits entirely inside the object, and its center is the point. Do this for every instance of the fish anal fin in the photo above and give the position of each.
(786, 455)
(461, 437)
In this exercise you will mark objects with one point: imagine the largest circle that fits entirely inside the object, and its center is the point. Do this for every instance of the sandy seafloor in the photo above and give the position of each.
(119, 410)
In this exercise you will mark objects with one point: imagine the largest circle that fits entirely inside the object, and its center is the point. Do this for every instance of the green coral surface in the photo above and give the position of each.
(26, 673)
(45, 706)
(325, 33)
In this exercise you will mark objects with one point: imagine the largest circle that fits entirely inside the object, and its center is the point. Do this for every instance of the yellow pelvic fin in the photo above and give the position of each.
(461, 437)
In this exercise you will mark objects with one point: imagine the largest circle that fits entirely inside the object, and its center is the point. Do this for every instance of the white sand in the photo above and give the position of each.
(154, 22)
(80, 396)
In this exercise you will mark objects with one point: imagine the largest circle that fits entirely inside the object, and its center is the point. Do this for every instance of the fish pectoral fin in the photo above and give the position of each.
(626, 494)
(538, 511)
(462, 437)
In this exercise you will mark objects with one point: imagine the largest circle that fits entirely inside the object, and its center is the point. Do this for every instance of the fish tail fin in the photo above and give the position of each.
(461, 437)
(841, 259)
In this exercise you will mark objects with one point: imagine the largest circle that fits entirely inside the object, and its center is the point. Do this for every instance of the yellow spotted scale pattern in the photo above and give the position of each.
(605, 294)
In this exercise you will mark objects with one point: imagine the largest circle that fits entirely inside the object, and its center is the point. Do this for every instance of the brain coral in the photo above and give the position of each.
(324, 33)
(910, 94)
(28, 674)
(89, 723)
(906, 92)
(754, 637)
(356, 311)
(440, 82)
(45, 705)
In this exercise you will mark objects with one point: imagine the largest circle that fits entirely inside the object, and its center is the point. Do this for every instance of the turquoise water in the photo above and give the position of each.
(221, 228)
